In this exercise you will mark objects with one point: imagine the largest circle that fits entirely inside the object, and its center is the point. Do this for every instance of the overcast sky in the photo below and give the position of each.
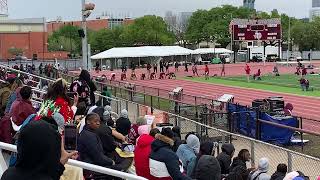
(70, 9)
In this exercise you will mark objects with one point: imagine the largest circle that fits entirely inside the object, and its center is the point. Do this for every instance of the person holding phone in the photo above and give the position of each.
(57, 100)
(44, 161)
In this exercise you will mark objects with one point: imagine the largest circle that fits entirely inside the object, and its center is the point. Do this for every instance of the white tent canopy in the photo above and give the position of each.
(212, 51)
(144, 51)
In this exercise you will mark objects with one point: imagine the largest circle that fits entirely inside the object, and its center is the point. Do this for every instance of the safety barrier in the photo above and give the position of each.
(295, 160)
(83, 165)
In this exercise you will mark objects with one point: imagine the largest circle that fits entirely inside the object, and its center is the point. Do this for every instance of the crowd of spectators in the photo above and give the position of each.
(155, 152)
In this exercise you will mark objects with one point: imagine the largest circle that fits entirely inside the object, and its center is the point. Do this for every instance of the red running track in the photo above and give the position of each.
(303, 106)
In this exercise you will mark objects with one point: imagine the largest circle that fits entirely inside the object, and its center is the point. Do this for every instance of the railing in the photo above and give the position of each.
(83, 165)
(295, 160)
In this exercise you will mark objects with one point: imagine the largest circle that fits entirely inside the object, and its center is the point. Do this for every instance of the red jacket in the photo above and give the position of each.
(141, 155)
(21, 109)
(65, 110)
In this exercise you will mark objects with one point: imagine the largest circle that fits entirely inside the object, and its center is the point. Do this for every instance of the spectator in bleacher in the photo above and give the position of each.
(233, 176)
(261, 172)
(176, 138)
(123, 124)
(164, 163)
(225, 157)
(208, 168)
(281, 172)
(89, 144)
(206, 148)
(84, 87)
(5, 90)
(105, 134)
(22, 106)
(133, 132)
(17, 84)
(295, 175)
(187, 153)
(57, 100)
(239, 165)
(142, 152)
(38, 159)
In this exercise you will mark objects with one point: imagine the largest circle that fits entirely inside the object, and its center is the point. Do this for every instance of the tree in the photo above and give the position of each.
(214, 24)
(15, 51)
(66, 37)
(147, 30)
(105, 39)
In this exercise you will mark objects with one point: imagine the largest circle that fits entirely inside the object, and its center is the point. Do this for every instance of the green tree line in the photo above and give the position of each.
(204, 25)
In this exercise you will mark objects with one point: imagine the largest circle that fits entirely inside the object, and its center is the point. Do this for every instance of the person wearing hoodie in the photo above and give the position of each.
(123, 124)
(187, 153)
(13, 96)
(225, 157)
(206, 148)
(281, 172)
(261, 172)
(239, 166)
(89, 144)
(45, 161)
(142, 152)
(22, 106)
(163, 162)
(208, 168)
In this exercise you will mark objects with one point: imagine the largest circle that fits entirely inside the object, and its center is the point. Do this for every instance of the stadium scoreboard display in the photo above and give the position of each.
(256, 30)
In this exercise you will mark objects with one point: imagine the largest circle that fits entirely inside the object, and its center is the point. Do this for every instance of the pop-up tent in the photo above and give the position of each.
(212, 51)
(143, 51)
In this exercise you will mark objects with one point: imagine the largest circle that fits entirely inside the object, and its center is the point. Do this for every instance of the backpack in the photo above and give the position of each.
(13, 158)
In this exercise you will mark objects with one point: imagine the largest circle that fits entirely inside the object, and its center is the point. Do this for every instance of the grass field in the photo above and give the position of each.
(284, 83)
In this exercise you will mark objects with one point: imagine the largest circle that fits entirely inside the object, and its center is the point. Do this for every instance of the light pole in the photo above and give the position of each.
(85, 13)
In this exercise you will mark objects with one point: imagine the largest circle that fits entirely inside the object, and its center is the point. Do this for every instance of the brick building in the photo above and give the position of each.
(95, 24)
(26, 34)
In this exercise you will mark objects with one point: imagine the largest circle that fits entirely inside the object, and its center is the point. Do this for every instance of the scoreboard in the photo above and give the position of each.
(256, 30)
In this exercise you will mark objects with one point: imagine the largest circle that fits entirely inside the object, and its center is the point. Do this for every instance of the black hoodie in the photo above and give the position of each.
(39, 152)
(278, 176)
(208, 168)
(224, 158)
(239, 167)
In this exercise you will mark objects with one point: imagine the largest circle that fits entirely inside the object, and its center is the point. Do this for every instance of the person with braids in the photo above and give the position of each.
(57, 100)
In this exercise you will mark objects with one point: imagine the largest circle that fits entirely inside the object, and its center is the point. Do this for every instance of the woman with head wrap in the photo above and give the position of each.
(123, 124)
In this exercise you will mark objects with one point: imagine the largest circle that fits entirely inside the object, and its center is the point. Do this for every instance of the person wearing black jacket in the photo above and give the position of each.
(89, 144)
(38, 158)
(225, 157)
(161, 66)
(163, 162)
(105, 133)
(239, 166)
(85, 76)
(280, 173)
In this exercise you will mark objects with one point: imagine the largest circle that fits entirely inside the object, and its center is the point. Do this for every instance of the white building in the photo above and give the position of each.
(315, 10)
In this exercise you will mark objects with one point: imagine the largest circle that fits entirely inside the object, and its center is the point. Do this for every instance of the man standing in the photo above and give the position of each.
(161, 66)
